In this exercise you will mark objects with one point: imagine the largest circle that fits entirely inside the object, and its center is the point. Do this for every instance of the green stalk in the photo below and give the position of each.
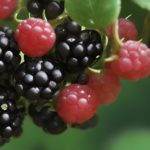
(116, 40)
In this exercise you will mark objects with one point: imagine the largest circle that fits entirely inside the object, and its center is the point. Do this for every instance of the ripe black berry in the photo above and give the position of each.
(47, 119)
(35, 7)
(53, 8)
(9, 53)
(77, 49)
(11, 116)
(38, 79)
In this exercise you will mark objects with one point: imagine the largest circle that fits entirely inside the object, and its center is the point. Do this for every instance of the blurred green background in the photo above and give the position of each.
(124, 125)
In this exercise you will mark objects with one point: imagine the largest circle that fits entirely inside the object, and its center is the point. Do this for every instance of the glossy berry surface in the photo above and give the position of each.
(38, 79)
(77, 49)
(9, 53)
(35, 37)
(127, 30)
(11, 117)
(35, 7)
(106, 86)
(76, 103)
(48, 120)
(52, 8)
(133, 62)
(6, 8)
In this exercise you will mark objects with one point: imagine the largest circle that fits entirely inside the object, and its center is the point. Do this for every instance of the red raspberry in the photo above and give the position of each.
(127, 30)
(76, 103)
(35, 37)
(106, 86)
(133, 62)
(6, 8)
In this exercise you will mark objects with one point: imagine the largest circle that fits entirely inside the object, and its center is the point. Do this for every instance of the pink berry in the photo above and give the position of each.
(106, 86)
(77, 103)
(127, 30)
(6, 8)
(133, 62)
(35, 37)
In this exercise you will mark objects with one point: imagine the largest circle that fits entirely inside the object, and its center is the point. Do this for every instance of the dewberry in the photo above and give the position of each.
(127, 30)
(35, 7)
(35, 37)
(77, 49)
(53, 8)
(76, 103)
(106, 86)
(9, 53)
(11, 116)
(6, 8)
(38, 79)
(48, 120)
(133, 62)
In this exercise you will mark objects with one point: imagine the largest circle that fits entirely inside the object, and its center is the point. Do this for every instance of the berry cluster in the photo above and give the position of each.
(77, 49)
(59, 72)
(47, 119)
(9, 53)
(38, 79)
(11, 114)
(53, 8)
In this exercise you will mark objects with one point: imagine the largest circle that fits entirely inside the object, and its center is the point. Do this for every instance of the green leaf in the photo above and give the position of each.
(95, 14)
(143, 3)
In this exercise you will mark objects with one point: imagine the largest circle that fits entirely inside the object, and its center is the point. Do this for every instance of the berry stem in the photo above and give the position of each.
(59, 19)
(98, 71)
(111, 58)
(44, 16)
(17, 13)
(146, 29)
(19, 8)
(19, 5)
(116, 40)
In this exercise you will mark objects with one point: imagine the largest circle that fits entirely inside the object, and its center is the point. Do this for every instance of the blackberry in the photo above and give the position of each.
(47, 119)
(38, 79)
(88, 124)
(9, 53)
(35, 7)
(77, 49)
(11, 117)
(53, 8)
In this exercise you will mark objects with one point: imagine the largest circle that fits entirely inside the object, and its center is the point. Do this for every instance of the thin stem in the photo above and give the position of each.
(128, 16)
(19, 5)
(111, 58)
(44, 16)
(116, 40)
(98, 71)
(17, 13)
(59, 19)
